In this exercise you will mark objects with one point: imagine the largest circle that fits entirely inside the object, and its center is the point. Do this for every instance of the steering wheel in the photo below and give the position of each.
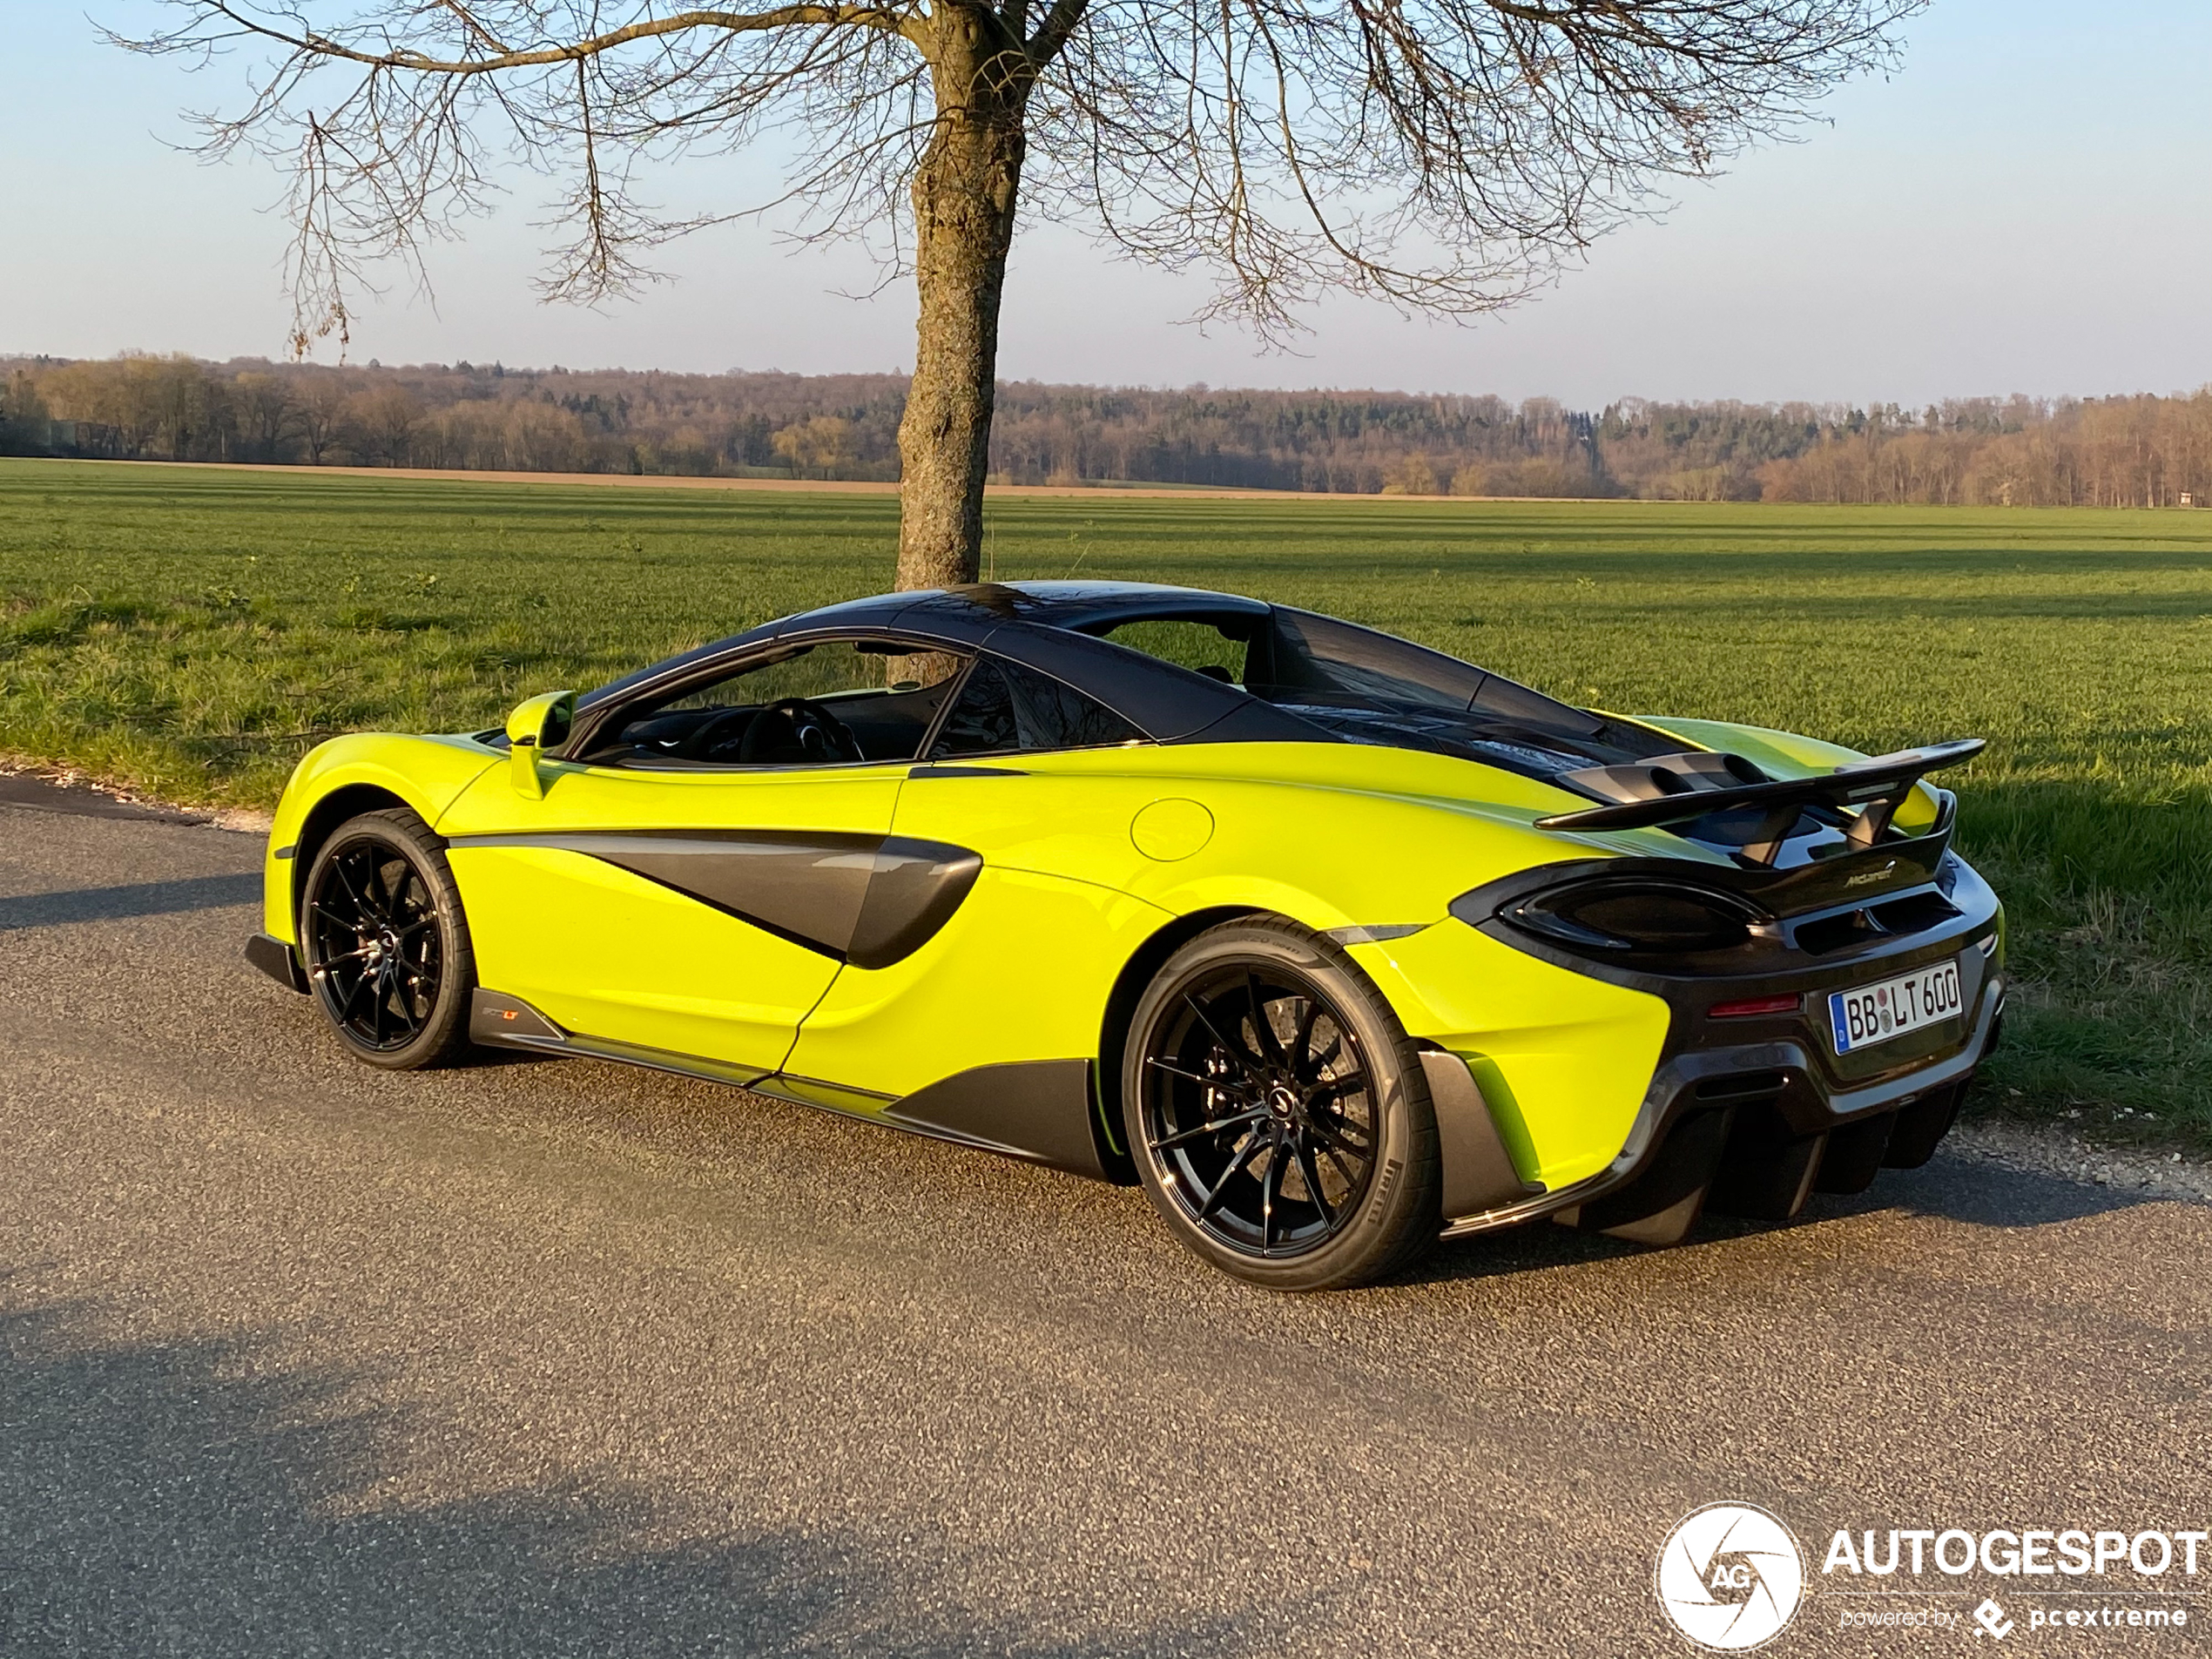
(795, 724)
(706, 740)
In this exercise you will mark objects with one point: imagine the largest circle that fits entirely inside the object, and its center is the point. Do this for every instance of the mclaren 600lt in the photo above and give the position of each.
(1334, 943)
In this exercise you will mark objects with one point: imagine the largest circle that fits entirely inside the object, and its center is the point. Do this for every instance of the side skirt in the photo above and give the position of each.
(1040, 1111)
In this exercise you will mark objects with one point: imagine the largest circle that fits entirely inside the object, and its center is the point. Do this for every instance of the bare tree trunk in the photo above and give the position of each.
(964, 196)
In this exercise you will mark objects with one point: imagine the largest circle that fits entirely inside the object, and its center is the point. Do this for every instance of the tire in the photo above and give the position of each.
(1297, 1153)
(385, 943)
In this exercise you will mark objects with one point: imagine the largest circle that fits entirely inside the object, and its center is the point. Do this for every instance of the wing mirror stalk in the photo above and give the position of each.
(535, 726)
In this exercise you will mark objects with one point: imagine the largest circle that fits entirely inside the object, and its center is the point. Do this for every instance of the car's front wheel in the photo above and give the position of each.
(385, 943)
(1277, 1111)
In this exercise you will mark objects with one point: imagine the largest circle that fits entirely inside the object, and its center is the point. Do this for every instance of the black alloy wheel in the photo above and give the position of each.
(1277, 1109)
(387, 949)
(1264, 1109)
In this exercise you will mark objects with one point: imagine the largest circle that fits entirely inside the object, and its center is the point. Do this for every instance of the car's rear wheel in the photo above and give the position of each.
(385, 943)
(1277, 1111)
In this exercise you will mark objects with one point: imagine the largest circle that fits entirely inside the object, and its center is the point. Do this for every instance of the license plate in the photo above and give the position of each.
(1873, 1014)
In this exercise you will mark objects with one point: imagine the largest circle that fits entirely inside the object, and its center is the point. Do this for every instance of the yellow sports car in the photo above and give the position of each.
(1333, 942)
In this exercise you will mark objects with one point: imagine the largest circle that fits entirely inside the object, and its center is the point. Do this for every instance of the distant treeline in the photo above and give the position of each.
(2138, 451)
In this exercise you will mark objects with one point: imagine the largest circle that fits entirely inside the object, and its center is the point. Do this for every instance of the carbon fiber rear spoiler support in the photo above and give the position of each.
(1876, 787)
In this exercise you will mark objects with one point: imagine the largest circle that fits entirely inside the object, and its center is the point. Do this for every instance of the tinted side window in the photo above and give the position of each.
(1005, 707)
(837, 701)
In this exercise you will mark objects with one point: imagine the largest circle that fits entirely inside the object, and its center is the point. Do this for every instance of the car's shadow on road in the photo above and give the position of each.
(1984, 1194)
(1952, 1187)
(136, 899)
(1963, 1189)
(206, 1498)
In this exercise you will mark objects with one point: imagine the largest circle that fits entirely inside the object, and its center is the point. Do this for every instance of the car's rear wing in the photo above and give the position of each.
(1876, 787)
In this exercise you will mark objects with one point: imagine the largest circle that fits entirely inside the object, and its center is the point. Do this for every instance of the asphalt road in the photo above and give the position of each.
(556, 1357)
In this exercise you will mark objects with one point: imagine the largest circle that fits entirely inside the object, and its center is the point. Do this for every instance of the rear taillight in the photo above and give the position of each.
(1753, 1007)
(1636, 916)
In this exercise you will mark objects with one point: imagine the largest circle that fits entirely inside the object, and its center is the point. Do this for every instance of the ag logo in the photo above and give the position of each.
(1730, 1576)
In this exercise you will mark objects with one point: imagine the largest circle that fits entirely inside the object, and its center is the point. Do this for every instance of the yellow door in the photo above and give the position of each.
(697, 913)
(690, 878)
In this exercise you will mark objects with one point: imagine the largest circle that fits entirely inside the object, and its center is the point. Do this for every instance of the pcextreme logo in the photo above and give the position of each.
(1730, 1576)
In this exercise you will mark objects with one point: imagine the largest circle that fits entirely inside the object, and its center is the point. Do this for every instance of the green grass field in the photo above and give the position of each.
(190, 633)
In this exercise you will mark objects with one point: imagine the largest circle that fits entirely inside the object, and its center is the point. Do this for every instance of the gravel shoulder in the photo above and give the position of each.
(2044, 1148)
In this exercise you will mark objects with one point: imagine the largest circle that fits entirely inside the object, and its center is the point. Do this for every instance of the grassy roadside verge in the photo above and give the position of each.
(189, 634)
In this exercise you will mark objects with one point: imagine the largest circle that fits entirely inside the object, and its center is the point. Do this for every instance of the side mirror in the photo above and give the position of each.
(534, 728)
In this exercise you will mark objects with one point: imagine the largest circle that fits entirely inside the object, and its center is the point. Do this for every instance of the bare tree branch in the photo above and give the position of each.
(1441, 156)
(495, 57)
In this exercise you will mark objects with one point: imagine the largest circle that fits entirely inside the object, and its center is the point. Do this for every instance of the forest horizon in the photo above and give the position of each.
(2123, 450)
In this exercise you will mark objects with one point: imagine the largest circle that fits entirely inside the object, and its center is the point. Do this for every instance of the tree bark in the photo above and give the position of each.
(964, 194)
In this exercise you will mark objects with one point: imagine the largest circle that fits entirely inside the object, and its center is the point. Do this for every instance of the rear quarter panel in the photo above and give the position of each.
(1021, 972)
(1328, 838)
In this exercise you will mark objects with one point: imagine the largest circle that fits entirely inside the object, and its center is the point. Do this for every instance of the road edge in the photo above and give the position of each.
(37, 786)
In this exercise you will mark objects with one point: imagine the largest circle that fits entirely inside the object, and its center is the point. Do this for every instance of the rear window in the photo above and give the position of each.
(1301, 659)
(1320, 654)
(1198, 647)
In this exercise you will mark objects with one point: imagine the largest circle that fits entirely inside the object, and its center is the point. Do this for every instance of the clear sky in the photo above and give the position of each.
(2025, 205)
